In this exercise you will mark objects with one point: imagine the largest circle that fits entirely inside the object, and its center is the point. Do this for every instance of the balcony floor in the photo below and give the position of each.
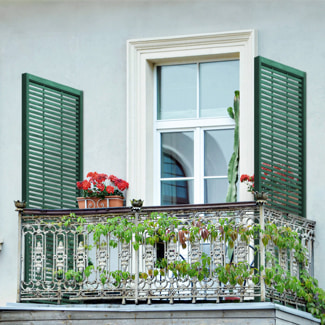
(179, 313)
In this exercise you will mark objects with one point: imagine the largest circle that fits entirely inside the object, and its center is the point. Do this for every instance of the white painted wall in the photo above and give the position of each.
(83, 44)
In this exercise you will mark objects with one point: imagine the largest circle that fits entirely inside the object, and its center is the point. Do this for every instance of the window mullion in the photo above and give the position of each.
(198, 91)
(198, 149)
(157, 162)
(198, 166)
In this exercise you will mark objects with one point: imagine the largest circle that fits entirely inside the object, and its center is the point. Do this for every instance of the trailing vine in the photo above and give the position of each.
(163, 228)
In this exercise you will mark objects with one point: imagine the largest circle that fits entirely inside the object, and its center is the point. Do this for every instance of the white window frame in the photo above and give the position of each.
(142, 56)
(198, 163)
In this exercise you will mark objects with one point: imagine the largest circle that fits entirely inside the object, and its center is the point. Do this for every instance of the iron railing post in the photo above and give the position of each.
(136, 207)
(20, 208)
(261, 200)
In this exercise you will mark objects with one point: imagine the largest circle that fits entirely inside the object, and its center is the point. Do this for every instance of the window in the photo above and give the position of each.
(190, 53)
(280, 145)
(52, 143)
(195, 97)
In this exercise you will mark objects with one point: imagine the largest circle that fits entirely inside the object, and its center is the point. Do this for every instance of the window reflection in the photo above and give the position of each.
(173, 192)
(177, 163)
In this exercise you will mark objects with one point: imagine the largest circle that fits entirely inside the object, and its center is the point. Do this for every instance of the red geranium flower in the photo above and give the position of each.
(110, 189)
(86, 185)
(243, 178)
(112, 178)
(101, 178)
(249, 180)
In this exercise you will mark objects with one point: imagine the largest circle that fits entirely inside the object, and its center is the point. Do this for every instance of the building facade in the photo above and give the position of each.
(133, 63)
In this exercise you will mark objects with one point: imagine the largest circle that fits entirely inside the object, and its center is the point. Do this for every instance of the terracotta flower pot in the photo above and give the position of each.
(115, 201)
(95, 202)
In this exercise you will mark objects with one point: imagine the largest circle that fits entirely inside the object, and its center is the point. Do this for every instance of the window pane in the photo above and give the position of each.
(218, 82)
(176, 192)
(215, 190)
(171, 167)
(177, 91)
(218, 148)
(177, 152)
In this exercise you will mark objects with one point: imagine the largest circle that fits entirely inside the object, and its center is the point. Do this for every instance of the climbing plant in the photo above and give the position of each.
(163, 228)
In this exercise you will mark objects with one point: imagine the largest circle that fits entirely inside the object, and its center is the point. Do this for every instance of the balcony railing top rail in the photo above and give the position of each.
(159, 253)
(127, 210)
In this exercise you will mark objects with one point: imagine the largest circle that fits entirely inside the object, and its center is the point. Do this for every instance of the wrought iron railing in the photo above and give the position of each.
(166, 253)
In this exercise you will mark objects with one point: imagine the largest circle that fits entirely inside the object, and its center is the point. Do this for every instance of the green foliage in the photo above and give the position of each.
(305, 287)
(161, 228)
(234, 160)
(199, 270)
(76, 275)
(161, 263)
(119, 276)
(234, 274)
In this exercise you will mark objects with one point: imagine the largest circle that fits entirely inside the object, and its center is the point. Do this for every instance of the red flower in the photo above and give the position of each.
(101, 178)
(86, 185)
(248, 179)
(110, 189)
(79, 185)
(112, 178)
(120, 183)
(101, 187)
(243, 178)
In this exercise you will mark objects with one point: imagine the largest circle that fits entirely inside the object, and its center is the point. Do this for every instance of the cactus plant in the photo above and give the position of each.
(234, 160)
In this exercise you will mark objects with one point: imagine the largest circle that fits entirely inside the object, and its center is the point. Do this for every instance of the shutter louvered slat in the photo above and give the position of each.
(280, 135)
(47, 93)
(53, 117)
(53, 114)
(278, 92)
(278, 112)
(266, 103)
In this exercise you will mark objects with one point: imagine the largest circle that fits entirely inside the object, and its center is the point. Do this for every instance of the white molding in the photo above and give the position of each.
(142, 55)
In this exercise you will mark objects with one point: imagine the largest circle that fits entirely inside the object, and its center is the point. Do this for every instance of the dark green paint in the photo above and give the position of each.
(280, 135)
(52, 118)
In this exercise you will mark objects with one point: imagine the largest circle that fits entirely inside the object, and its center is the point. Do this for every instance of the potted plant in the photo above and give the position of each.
(101, 191)
(249, 180)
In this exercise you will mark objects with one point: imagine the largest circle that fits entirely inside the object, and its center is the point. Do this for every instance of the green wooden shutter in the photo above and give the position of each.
(52, 143)
(280, 147)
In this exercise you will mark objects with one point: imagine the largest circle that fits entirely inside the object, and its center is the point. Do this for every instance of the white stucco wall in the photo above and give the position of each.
(83, 44)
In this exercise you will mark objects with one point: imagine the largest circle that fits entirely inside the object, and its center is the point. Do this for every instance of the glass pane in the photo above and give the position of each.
(215, 190)
(177, 154)
(171, 167)
(218, 82)
(218, 148)
(177, 192)
(177, 86)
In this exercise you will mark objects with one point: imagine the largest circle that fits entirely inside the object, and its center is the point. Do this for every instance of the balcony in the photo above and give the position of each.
(193, 253)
